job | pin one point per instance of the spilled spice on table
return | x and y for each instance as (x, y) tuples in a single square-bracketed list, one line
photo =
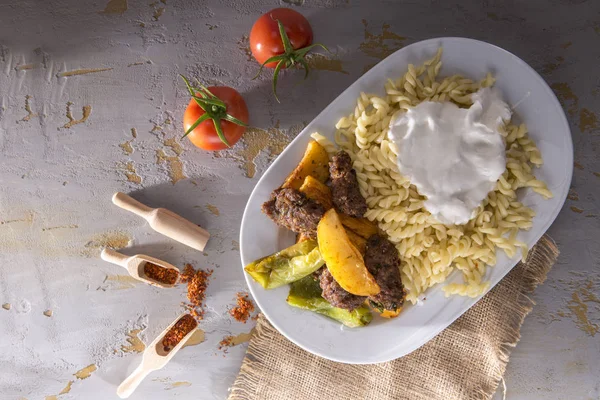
[(185, 325), (225, 343), (244, 308), (230, 341), (160, 274), (197, 281)]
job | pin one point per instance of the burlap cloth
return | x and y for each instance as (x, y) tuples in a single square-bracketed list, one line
[(465, 361)]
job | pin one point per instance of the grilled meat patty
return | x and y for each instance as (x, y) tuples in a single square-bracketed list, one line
[(335, 294), (344, 186), (291, 209), (383, 262)]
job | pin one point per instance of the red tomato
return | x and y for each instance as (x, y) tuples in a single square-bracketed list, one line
[(265, 40), (204, 135)]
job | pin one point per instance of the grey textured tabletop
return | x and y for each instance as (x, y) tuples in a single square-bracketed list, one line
[(91, 104)]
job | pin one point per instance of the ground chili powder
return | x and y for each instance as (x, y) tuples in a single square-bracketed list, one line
[(244, 308), (185, 325), (197, 281), (160, 274), (226, 342)]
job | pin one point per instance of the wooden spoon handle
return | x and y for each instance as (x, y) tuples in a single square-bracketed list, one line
[(130, 204), (114, 257), (127, 387)]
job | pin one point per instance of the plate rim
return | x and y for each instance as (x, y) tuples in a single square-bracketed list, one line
[(549, 221)]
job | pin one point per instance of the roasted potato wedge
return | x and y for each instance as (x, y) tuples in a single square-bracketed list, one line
[(314, 163), (391, 314), (361, 226), (358, 241), (343, 259), (317, 191)]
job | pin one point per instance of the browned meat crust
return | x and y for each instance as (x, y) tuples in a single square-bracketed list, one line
[(383, 262), (344, 186), (291, 209), (335, 294)]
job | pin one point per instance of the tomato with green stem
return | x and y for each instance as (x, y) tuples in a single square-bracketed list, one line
[(215, 118), (281, 39)]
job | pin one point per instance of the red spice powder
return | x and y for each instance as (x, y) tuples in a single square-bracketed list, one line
[(226, 342), (244, 308), (185, 325), (160, 274), (197, 282)]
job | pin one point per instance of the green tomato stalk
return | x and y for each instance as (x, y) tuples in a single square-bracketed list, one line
[(289, 58), (214, 109)]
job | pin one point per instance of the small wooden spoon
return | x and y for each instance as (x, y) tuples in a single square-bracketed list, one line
[(135, 266), (165, 222), (154, 358)]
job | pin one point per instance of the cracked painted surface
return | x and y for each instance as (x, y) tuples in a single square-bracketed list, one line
[(90, 104)]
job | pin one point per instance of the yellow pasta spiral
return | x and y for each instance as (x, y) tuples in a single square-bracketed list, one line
[(429, 250)]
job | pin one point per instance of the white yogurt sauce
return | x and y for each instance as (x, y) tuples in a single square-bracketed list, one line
[(454, 156)]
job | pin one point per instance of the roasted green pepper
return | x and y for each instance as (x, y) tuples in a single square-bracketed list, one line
[(306, 294), (286, 266)]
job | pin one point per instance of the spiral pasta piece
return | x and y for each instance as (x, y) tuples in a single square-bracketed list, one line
[(431, 251)]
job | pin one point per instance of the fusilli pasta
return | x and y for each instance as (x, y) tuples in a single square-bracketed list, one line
[(429, 250)]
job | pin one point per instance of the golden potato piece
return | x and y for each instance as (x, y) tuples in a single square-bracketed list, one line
[(314, 163), (358, 241), (361, 226), (343, 259), (317, 191), (391, 314)]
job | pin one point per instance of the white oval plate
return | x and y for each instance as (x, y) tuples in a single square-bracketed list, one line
[(385, 340)]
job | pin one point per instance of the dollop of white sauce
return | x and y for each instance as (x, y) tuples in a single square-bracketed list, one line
[(454, 156)]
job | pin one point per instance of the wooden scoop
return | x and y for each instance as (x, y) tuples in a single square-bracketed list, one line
[(154, 358), (166, 222), (135, 265)]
